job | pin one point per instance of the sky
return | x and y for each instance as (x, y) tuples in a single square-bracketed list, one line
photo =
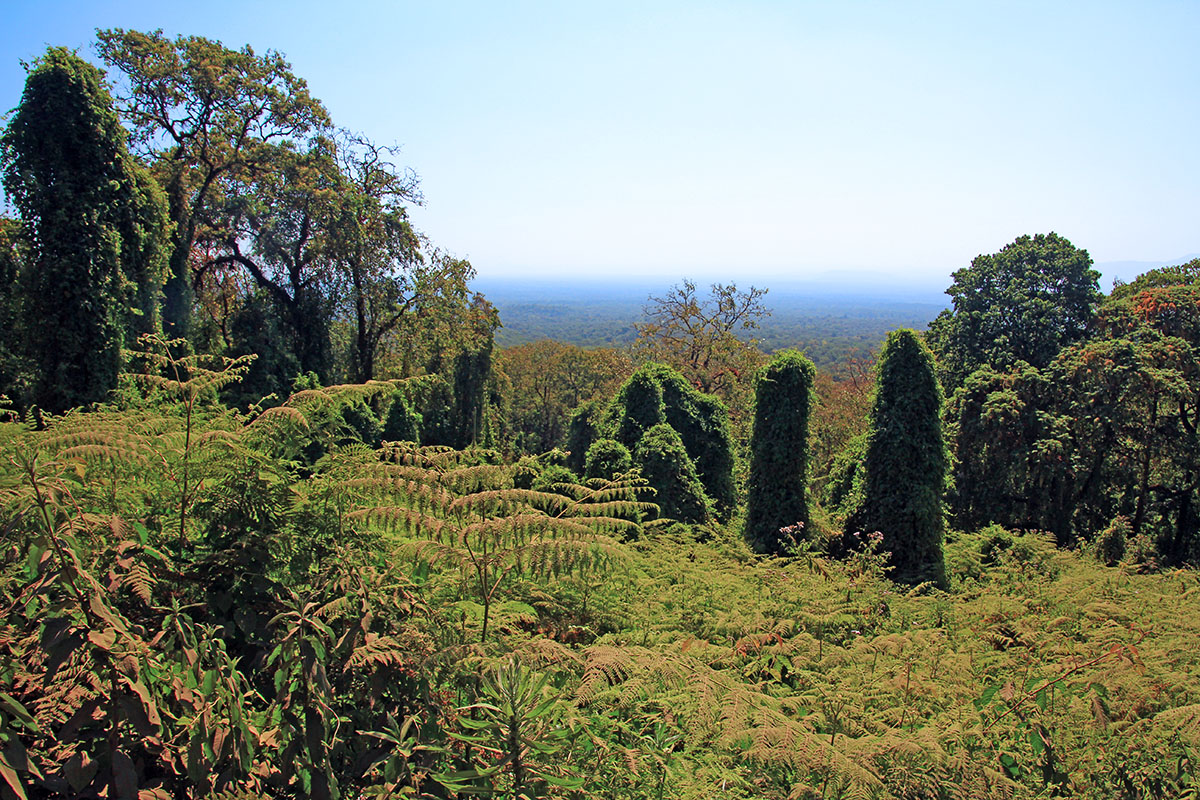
[(747, 141)]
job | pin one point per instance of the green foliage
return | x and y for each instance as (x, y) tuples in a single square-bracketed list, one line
[(1010, 452), (14, 256), (208, 118), (656, 394), (777, 490), (402, 422), (702, 422), (844, 488), (1024, 303), (664, 463), (607, 458), (1160, 278), (255, 330), (637, 408), (323, 634), (95, 223), (583, 429), (904, 470), (1105, 431)]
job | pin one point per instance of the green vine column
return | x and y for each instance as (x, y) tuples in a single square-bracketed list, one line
[(906, 461), (777, 491)]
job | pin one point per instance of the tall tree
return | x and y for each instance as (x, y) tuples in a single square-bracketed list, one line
[(208, 118), (708, 339), (904, 471), (1024, 303), (95, 223), (279, 229), (777, 490)]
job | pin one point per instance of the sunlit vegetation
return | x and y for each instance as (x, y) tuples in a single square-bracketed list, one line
[(281, 521)]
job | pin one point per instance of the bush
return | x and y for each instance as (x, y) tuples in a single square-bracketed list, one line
[(402, 422), (666, 466), (606, 458), (1110, 542), (582, 431)]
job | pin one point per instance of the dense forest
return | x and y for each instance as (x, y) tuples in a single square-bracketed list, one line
[(282, 520)]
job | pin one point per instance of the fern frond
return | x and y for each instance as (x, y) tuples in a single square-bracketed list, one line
[(398, 518)]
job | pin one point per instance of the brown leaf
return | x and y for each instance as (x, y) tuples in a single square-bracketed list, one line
[(104, 639)]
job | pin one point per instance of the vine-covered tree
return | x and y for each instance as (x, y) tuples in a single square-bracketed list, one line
[(1024, 303), (904, 471), (13, 256), (777, 490), (583, 429), (665, 465), (656, 394), (95, 223)]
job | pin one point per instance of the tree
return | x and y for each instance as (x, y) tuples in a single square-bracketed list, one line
[(95, 222), (777, 490), (550, 379), (665, 465), (843, 401), (904, 471), (1132, 405), (1012, 451), (1162, 277), (279, 230), (1024, 303), (14, 256), (379, 253), (657, 394), (208, 118), (700, 336)]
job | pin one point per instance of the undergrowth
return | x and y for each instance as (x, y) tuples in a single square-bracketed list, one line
[(199, 603)]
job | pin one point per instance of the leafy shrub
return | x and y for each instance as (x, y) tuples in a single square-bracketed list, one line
[(582, 431), (1110, 543), (402, 422), (665, 465), (606, 458)]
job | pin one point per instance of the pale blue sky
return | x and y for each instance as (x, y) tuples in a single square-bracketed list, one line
[(744, 141)]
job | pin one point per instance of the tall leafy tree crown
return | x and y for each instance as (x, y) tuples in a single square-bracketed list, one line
[(906, 460), (1024, 303), (211, 119), (777, 492), (96, 223)]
